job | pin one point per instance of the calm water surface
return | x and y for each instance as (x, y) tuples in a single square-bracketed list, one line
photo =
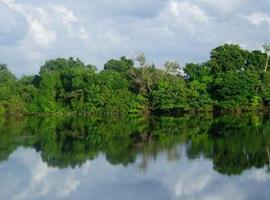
[(202, 157)]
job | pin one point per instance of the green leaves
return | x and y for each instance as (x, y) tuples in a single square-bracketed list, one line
[(228, 58), (121, 66), (6, 77), (232, 79), (169, 92), (237, 89)]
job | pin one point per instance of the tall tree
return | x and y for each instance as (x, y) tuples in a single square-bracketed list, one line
[(141, 59), (172, 67), (5, 75), (228, 58), (122, 65), (267, 51)]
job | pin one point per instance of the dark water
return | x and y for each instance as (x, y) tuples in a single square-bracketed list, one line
[(202, 157)]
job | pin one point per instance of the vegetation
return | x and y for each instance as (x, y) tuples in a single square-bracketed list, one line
[(233, 79)]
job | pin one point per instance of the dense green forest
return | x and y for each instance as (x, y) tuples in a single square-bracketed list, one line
[(233, 79)]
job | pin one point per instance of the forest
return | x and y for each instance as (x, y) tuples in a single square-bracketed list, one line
[(231, 80)]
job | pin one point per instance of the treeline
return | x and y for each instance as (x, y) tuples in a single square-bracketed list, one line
[(233, 79)]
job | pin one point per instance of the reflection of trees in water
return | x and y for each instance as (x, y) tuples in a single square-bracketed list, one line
[(233, 143), (71, 141)]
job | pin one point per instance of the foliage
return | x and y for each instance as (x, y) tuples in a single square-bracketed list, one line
[(232, 79), (122, 65), (169, 93), (228, 58), (236, 89)]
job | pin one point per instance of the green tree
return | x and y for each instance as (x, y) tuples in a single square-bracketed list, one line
[(141, 59), (228, 58), (122, 65), (197, 71), (170, 93), (256, 61), (236, 90), (172, 67)]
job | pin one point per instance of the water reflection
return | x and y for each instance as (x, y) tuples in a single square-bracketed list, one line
[(133, 157)]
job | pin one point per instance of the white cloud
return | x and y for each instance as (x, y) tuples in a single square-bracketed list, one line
[(70, 22), (258, 18), (68, 16), (41, 179), (191, 185), (69, 186), (258, 175), (37, 18), (185, 19), (187, 12), (185, 30), (48, 28), (113, 38), (184, 15), (40, 35), (223, 6)]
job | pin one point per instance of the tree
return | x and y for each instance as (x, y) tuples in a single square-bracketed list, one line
[(256, 61), (228, 58), (265, 88), (232, 78), (172, 67), (61, 83), (197, 71), (236, 90), (122, 65), (10, 100), (169, 93), (141, 59), (267, 51), (199, 79), (7, 83), (5, 75)]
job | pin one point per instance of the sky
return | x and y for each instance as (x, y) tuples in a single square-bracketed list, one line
[(95, 31)]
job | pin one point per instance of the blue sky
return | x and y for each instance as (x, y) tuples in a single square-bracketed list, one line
[(184, 30)]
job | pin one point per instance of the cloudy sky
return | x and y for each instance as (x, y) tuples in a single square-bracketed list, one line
[(185, 30)]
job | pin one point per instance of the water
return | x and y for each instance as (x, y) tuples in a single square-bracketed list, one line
[(202, 157)]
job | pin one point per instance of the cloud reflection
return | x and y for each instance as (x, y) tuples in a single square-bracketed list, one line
[(26, 176)]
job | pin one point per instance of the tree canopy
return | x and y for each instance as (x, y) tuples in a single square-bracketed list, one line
[(232, 79)]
